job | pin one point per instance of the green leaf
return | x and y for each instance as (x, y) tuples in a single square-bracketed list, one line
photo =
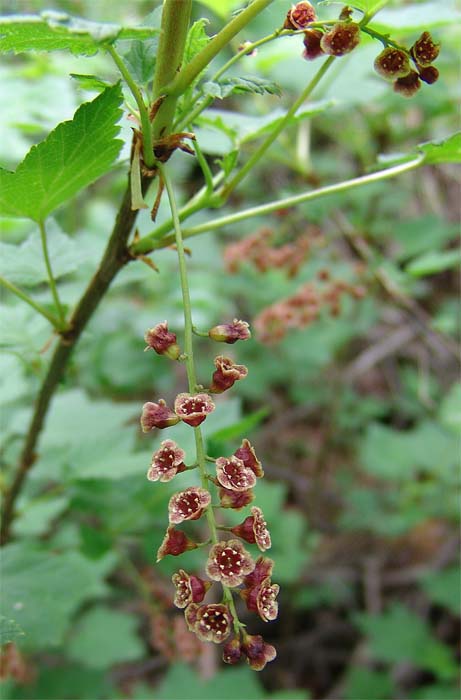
[(398, 635), (366, 683), (446, 151), (450, 409), (197, 39), (25, 265), (444, 588), (242, 427), (433, 262), (73, 155), (9, 631), (105, 637), (52, 31), (369, 6), (422, 16), (245, 84), (35, 518), (42, 589), (89, 82), (181, 682), (223, 8), (140, 56)]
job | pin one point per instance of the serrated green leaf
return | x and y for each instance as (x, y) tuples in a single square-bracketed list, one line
[(197, 39), (446, 151), (105, 637), (230, 86), (140, 55), (433, 262), (9, 631), (73, 155), (52, 31), (41, 590), (24, 264)]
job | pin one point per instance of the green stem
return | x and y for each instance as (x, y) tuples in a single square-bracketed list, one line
[(189, 72), (202, 161), (148, 153), (25, 297), (51, 280), (173, 35), (251, 162), (149, 243), (191, 374)]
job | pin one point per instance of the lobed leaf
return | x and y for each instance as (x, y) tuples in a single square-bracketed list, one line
[(53, 31), (72, 156)]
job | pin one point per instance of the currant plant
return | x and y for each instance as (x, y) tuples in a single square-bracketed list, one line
[(164, 110)]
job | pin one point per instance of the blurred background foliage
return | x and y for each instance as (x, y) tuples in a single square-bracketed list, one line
[(355, 413)]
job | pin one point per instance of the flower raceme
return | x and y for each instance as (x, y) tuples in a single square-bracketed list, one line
[(229, 564)]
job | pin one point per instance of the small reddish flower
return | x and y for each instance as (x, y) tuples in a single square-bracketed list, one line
[(188, 504), (425, 50), (392, 63), (189, 588), (258, 653), (193, 408), (254, 530), (429, 74), (232, 651), (167, 461), (408, 85), (226, 374), (235, 499), (230, 332), (263, 570), (157, 415), (311, 41), (300, 16), (342, 39), (233, 474), (211, 623), (175, 542), (162, 341), (229, 562), (248, 456), (262, 599)]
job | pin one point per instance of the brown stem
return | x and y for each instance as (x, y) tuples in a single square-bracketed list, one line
[(114, 258)]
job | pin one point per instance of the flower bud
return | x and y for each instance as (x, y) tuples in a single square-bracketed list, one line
[(408, 85), (342, 39), (232, 652), (425, 50), (175, 542), (230, 332), (392, 63), (258, 653), (162, 341), (311, 41), (157, 415), (300, 16), (429, 74)]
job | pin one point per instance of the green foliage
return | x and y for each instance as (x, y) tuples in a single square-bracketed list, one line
[(230, 86), (9, 631), (444, 588), (181, 681), (68, 160), (400, 635), (365, 683), (104, 637), (58, 583), (53, 31)]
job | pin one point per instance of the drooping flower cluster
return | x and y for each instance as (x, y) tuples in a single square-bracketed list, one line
[(304, 307), (394, 63), (229, 563)]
